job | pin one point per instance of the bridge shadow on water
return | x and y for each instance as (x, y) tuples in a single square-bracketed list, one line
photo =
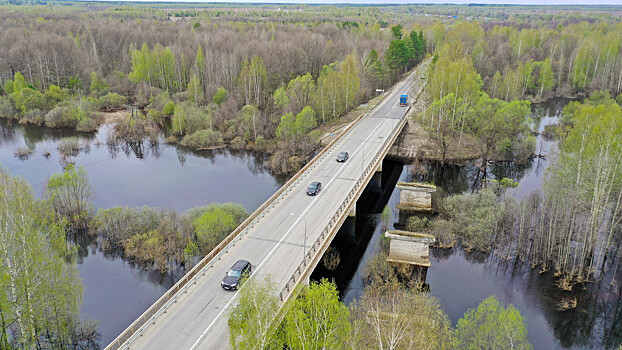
[(342, 259)]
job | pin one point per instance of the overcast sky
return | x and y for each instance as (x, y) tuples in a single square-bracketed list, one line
[(518, 2)]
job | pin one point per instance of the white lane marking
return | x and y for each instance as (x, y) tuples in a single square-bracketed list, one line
[(280, 243)]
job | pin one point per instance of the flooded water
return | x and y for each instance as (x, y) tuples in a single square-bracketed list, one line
[(116, 292), (165, 176), (462, 280)]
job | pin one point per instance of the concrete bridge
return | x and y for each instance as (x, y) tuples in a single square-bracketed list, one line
[(286, 237)]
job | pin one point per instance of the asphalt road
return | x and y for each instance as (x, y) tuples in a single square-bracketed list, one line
[(274, 246)]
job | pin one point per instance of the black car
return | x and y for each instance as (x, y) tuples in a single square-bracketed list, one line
[(241, 269), (342, 157), (314, 188)]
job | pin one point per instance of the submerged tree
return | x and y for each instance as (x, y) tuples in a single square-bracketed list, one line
[(70, 194), (40, 291)]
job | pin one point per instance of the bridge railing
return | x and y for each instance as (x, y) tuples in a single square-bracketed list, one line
[(165, 301), (320, 245), (190, 278)]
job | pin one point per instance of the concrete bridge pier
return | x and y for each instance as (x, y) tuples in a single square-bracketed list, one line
[(347, 231), (415, 198), (375, 184), (409, 252)]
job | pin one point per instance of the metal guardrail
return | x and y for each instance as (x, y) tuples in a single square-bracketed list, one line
[(321, 244), (200, 268), (171, 296)]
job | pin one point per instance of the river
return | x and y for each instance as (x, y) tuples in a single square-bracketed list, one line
[(462, 280), (116, 292)]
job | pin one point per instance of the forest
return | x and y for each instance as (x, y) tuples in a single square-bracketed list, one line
[(267, 78)]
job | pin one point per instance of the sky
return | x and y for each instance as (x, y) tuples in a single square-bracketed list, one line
[(516, 2), (401, 2)]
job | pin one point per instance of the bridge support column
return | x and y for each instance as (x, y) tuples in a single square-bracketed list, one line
[(415, 197), (411, 251), (379, 168), (352, 212), (409, 247)]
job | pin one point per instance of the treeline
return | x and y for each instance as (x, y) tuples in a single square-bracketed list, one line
[(40, 291), (460, 113), (389, 315), (538, 62), (573, 225), (261, 86)]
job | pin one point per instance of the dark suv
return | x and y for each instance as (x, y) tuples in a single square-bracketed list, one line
[(314, 188), (240, 270), (342, 157)]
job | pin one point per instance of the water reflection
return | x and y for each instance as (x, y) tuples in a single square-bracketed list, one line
[(462, 280), (142, 173), (148, 172)]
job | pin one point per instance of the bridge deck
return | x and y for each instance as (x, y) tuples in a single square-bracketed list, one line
[(274, 245)]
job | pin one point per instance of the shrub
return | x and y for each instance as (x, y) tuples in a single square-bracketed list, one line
[(69, 114), (147, 235), (220, 96), (196, 118), (214, 222), (70, 194), (70, 146), (169, 108), (87, 125), (477, 217), (34, 116), (112, 102), (203, 139), (6, 108), (23, 153), (238, 143), (417, 224)]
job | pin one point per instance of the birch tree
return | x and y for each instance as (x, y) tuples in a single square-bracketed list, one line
[(317, 319), (40, 291)]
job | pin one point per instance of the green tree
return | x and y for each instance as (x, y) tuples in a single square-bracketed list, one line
[(399, 56), (349, 71), (299, 92), (546, 81), (397, 31), (199, 67), (287, 127), (220, 96), (253, 80), (40, 290), (251, 321), (373, 70), (498, 124), (215, 223), (317, 319), (178, 123), (305, 121), (195, 91), (391, 316), (99, 85), (491, 326), (70, 195), (248, 121), (280, 98)]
